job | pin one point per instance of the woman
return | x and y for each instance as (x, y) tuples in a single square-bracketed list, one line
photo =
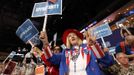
[(77, 59)]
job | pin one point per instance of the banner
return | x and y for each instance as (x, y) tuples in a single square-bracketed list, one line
[(102, 31), (26, 31), (40, 9), (51, 7), (54, 7)]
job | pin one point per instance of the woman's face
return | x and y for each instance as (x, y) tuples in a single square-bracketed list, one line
[(73, 38)]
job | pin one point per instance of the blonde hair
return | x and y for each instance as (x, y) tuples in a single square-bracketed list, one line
[(68, 44)]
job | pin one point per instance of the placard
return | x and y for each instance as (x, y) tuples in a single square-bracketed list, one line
[(9, 68), (26, 31), (54, 7), (40, 9), (40, 70), (102, 31)]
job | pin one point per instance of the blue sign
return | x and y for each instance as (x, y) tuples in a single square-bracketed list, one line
[(40, 9), (102, 31), (49, 8), (26, 31), (54, 8), (35, 40)]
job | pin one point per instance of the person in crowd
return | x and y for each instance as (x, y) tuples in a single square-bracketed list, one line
[(51, 68), (127, 46), (97, 49), (76, 59), (125, 32), (28, 67), (56, 49), (124, 67)]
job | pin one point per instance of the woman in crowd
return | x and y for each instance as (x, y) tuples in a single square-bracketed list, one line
[(77, 58)]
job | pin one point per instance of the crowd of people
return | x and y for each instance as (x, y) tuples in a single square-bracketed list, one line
[(79, 58)]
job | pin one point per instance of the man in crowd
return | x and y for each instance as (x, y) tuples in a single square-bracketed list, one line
[(123, 68), (128, 47)]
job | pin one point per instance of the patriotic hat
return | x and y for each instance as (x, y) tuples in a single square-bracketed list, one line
[(66, 32)]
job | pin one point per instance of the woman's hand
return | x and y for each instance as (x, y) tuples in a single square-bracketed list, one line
[(91, 39), (43, 37), (106, 50)]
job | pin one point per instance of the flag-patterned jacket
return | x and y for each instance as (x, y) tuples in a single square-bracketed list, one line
[(92, 67)]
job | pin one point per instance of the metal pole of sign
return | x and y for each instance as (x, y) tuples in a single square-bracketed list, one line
[(103, 42), (31, 43), (45, 22), (5, 59)]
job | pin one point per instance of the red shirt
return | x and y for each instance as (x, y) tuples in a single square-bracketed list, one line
[(52, 69)]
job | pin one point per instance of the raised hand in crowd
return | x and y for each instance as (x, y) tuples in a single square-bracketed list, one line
[(91, 39), (105, 50), (43, 37)]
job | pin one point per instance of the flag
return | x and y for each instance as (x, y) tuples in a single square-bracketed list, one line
[(54, 38), (97, 50)]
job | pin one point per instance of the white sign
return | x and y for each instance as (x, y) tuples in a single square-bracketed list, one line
[(102, 31)]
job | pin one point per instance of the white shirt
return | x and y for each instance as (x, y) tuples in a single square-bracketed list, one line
[(78, 67)]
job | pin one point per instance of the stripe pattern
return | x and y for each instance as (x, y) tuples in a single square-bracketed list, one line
[(47, 52), (97, 50)]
